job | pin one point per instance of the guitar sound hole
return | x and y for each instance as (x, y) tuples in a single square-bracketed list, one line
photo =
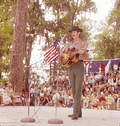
[(77, 54), (70, 62)]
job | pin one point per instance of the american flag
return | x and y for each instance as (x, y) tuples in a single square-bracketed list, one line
[(52, 53)]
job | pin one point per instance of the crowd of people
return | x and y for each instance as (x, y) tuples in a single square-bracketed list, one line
[(102, 90), (98, 92)]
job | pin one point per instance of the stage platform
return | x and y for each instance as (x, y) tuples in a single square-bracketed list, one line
[(12, 115)]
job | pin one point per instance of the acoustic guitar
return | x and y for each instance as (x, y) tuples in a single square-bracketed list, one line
[(69, 57)]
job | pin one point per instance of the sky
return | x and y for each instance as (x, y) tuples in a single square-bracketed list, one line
[(103, 9), (103, 6)]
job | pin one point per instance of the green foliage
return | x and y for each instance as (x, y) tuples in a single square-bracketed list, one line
[(66, 14), (1, 1), (88, 6), (6, 32), (107, 45)]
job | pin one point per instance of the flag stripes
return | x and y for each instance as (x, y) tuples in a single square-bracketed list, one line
[(51, 54)]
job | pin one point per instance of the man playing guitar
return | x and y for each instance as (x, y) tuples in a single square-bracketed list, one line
[(74, 62)]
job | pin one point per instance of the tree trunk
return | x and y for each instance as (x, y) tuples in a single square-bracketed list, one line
[(18, 46)]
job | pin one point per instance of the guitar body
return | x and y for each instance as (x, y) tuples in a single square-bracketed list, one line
[(69, 57)]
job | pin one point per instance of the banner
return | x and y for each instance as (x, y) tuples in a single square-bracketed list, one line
[(101, 66)]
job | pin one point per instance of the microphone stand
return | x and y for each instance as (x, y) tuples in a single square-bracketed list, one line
[(57, 121), (28, 119)]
